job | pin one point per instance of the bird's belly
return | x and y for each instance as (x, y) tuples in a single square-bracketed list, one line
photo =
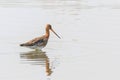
[(36, 47)]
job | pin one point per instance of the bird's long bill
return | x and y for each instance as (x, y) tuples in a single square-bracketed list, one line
[(55, 33)]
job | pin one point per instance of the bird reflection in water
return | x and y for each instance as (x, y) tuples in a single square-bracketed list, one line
[(37, 58)]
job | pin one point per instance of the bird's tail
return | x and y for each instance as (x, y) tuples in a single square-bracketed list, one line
[(22, 44)]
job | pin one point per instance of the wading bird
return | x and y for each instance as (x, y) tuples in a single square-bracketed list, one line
[(40, 42)]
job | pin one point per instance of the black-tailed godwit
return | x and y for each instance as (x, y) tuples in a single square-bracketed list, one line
[(40, 42)]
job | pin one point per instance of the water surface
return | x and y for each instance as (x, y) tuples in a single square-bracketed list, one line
[(88, 50)]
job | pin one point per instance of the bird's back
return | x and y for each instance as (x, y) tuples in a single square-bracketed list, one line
[(36, 43)]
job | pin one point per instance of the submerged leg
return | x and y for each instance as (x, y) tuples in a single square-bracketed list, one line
[(38, 50)]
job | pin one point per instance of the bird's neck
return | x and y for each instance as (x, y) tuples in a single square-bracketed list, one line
[(47, 34)]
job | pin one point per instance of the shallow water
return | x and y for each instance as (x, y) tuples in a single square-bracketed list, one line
[(88, 50)]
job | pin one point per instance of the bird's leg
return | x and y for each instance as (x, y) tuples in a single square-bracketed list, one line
[(38, 50)]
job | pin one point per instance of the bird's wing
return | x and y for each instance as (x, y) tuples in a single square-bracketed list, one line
[(34, 41)]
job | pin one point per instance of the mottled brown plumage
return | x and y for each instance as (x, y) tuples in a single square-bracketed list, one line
[(40, 42)]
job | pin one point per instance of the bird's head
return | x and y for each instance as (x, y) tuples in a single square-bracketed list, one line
[(49, 27)]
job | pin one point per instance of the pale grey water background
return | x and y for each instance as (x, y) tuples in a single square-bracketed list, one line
[(88, 50)]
